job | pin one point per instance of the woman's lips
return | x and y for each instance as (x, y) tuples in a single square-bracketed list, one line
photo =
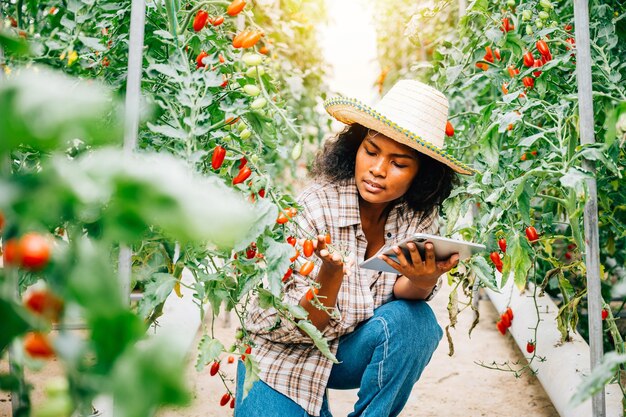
[(373, 187)]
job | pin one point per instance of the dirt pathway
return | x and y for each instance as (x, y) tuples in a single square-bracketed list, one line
[(450, 386)]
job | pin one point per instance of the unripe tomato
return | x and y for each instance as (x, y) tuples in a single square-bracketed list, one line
[(539, 23), (34, 251), (37, 345), (245, 134), (252, 72), (251, 90), (543, 15), (306, 268), (258, 103), (296, 151), (449, 129), (251, 59), (546, 4), (527, 15)]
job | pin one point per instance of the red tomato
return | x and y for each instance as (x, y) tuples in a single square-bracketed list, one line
[(200, 20), (605, 313), (528, 82), (34, 251), (502, 244), (505, 90), (506, 25), (231, 359), (537, 64), (287, 275), (311, 293), (306, 268), (489, 54), (1, 221), (501, 327), (221, 58), (327, 238), (531, 234), (44, 303), (218, 21), (232, 402), (496, 52), (242, 162), (530, 347), (495, 258), (37, 345), (215, 368), (10, 252), (264, 50), (243, 175), (251, 251), (542, 47), (295, 256), (506, 322), (199, 59), (251, 40), (225, 399), (529, 59), (282, 218), (235, 7), (482, 66), (307, 248), (217, 160), (238, 39), (509, 313), (291, 240), (449, 129), (513, 71)]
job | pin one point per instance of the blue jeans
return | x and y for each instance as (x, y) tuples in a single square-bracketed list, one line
[(383, 357)]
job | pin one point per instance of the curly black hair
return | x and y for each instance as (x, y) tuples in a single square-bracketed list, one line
[(336, 161)]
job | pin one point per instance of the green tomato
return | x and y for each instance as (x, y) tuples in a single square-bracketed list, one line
[(510, 3), (253, 71), (252, 59), (539, 23), (544, 15), (529, 30), (56, 386), (57, 406), (296, 151), (238, 335), (258, 103), (553, 24), (254, 158), (245, 134), (527, 15), (546, 4), (241, 126), (252, 90)]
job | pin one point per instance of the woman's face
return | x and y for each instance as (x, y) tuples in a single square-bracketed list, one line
[(384, 168)]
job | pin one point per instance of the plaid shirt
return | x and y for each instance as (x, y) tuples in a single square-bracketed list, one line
[(288, 360)]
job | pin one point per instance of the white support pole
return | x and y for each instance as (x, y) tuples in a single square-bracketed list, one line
[(131, 121), (592, 246)]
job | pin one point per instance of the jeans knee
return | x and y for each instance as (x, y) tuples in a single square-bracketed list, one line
[(411, 324)]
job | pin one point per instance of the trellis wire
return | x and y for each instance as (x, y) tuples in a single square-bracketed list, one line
[(592, 246)]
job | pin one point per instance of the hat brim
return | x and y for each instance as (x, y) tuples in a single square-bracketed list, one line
[(350, 111)]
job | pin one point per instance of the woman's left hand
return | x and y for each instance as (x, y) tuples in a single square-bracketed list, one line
[(422, 273)]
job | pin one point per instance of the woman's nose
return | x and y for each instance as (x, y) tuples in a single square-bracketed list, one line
[(378, 168)]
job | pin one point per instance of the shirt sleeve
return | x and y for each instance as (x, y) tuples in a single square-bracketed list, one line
[(267, 322)]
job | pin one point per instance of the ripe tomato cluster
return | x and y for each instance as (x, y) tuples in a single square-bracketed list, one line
[(505, 321), (495, 256)]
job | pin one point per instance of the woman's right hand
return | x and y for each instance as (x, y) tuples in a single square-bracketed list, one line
[(332, 261)]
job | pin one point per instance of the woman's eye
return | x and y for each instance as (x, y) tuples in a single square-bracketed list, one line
[(398, 165), (369, 153)]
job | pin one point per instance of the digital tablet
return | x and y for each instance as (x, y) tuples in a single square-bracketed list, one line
[(444, 248)]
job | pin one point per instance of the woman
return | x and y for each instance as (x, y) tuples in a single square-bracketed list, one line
[(381, 180)]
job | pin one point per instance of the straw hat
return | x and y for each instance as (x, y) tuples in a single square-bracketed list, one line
[(411, 113)]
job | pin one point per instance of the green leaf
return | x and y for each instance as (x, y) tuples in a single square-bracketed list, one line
[(15, 322), (277, 257), (12, 45), (150, 373), (93, 43), (265, 216), (168, 131), (602, 374), (209, 350), (320, 342), (518, 260), (252, 374), (479, 266), (111, 334), (156, 292), (45, 110)]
